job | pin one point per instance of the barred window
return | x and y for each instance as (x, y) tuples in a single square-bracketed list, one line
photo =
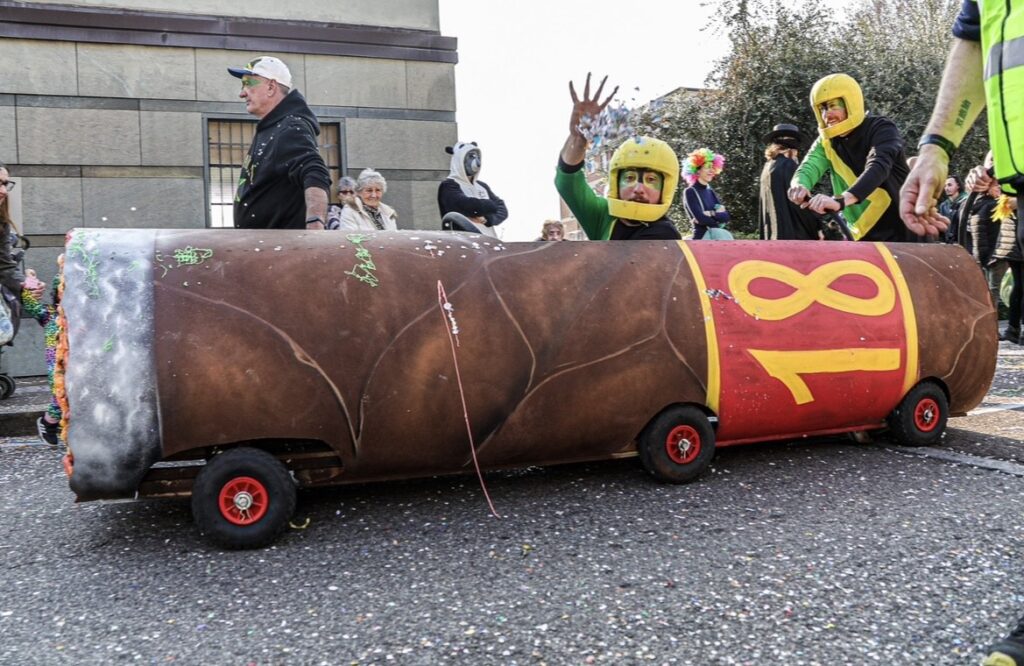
[(227, 145)]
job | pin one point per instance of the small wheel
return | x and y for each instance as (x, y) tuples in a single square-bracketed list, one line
[(243, 498), (920, 419), (7, 386), (677, 445), (458, 222)]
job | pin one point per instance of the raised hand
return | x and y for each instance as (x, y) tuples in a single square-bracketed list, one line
[(588, 106)]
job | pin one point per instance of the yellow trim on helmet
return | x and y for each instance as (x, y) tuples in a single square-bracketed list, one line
[(838, 86), (645, 153)]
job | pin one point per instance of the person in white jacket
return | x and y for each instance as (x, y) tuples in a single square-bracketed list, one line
[(368, 212)]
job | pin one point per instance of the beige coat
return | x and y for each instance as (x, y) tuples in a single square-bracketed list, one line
[(356, 218)]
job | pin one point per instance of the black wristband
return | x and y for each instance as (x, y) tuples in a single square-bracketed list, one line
[(938, 140), (841, 200), (565, 167)]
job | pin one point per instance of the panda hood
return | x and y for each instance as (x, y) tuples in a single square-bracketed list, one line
[(463, 153)]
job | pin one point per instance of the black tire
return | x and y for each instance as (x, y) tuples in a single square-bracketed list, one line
[(458, 222), (920, 419), (677, 445), (7, 386), (231, 481)]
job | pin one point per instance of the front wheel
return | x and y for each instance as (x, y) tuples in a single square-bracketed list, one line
[(243, 498), (920, 419), (677, 445)]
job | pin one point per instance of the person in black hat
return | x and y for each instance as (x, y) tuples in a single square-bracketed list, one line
[(781, 219)]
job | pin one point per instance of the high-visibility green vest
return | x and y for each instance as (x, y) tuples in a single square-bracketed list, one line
[(1002, 43)]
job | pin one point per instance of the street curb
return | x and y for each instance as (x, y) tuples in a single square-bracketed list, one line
[(19, 412), (20, 424)]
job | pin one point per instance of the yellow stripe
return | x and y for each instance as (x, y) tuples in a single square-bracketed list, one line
[(877, 202), (714, 368), (912, 373), (790, 366)]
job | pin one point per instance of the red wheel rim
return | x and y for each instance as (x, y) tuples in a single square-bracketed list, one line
[(243, 500), (926, 415), (683, 444)]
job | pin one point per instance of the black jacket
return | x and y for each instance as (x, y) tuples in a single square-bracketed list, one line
[(874, 150), (984, 231), (283, 161), (450, 198), (781, 219), (662, 229)]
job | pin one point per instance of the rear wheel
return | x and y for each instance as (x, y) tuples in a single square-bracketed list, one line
[(677, 445), (7, 386), (243, 498), (920, 419)]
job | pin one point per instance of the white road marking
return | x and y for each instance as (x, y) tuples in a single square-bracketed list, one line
[(995, 408), (1016, 469)]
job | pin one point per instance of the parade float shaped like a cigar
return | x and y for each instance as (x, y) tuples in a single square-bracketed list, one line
[(238, 365)]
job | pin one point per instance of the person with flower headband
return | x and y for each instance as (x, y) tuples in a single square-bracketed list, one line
[(702, 204), (864, 157), (642, 178)]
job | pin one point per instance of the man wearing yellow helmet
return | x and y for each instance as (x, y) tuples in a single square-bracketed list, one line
[(864, 157), (642, 180)]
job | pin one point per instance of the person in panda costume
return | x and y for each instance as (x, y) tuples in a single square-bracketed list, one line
[(461, 195)]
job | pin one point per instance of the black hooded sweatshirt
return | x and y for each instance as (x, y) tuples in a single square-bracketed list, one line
[(283, 161)]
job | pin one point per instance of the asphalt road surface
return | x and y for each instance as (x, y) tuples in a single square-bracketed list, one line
[(807, 552)]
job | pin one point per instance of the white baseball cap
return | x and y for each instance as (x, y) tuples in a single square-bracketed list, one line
[(268, 67)]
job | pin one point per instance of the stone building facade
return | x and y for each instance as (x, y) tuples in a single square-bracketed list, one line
[(120, 113)]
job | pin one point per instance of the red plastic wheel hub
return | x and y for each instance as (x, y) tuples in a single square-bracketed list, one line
[(243, 500), (683, 444), (926, 415)]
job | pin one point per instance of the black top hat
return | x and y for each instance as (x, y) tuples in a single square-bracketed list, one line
[(786, 135)]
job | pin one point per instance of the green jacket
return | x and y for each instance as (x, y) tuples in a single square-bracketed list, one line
[(591, 211)]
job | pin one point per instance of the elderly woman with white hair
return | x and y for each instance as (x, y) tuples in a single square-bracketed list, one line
[(367, 212)]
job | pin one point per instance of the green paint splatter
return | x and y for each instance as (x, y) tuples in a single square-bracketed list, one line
[(188, 256), (363, 271), (89, 262), (192, 256)]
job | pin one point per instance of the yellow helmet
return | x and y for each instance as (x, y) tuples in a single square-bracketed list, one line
[(645, 153), (838, 86)]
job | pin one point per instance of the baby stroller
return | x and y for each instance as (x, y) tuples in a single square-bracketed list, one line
[(7, 385), (458, 222), (19, 245)]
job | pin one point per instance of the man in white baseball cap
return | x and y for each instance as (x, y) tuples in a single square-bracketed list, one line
[(268, 67), (284, 182)]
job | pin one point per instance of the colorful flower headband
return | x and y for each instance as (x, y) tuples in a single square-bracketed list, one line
[(697, 159)]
